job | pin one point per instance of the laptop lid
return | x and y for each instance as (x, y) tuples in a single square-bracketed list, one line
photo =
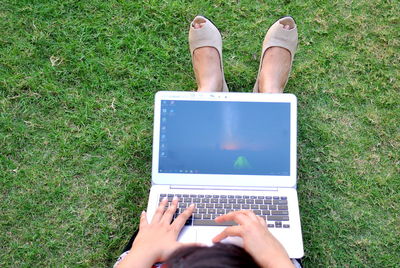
[(224, 139)]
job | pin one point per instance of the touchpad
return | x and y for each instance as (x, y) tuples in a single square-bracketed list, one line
[(235, 240), (188, 235), (205, 236)]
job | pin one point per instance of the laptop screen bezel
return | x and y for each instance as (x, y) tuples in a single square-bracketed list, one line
[(224, 180)]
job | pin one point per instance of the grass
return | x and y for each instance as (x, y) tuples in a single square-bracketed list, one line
[(77, 81)]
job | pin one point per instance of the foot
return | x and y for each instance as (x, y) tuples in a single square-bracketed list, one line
[(276, 66), (207, 67)]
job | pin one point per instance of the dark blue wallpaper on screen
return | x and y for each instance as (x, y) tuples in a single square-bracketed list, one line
[(210, 137)]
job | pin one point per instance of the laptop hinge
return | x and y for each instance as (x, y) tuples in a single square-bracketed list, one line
[(193, 187)]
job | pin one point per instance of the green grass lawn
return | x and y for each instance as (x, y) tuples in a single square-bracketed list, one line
[(77, 82)]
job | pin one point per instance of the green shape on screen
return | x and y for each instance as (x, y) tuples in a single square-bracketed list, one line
[(241, 162)]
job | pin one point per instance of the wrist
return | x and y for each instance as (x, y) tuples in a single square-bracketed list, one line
[(276, 262), (138, 260)]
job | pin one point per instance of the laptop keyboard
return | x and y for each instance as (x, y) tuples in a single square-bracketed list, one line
[(274, 209)]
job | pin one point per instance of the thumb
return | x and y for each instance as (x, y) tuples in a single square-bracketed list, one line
[(193, 245), (143, 219)]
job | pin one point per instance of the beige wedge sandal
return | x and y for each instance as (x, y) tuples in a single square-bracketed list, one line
[(277, 36), (207, 36)]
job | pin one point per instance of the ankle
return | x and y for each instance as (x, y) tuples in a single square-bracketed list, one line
[(270, 89), (211, 85), (275, 70)]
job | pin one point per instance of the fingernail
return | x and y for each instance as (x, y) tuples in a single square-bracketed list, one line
[(143, 212), (175, 198), (191, 206), (165, 198)]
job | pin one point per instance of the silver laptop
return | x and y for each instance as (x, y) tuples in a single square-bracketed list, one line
[(226, 152)]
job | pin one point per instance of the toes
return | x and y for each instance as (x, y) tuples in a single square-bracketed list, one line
[(198, 25), (288, 23)]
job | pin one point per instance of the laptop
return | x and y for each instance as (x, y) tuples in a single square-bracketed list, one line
[(226, 152)]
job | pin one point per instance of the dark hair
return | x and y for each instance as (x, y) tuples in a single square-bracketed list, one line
[(218, 256)]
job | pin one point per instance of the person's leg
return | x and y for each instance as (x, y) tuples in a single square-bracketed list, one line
[(276, 66), (206, 64)]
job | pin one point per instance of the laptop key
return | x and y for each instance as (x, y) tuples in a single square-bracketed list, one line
[(258, 201), (282, 207), (240, 201), (249, 201), (205, 200), (200, 205), (206, 216), (218, 205), (236, 206), (277, 218), (254, 207), (202, 210), (266, 212), (245, 206), (204, 222), (220, 211), (214, 200), (280, 212), (271, 225), (280, 202), (257, 212), (232, 201), (223, 200), (286, 226), (197, 216), (209, 205), (189, 221)]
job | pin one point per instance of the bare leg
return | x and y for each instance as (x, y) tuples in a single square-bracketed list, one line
[(207, 67), (275, 69)]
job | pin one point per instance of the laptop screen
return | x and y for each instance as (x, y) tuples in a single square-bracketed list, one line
[(225, 137)]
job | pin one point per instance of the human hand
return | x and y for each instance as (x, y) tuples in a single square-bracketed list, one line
[(157, 240), (257, 239)]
